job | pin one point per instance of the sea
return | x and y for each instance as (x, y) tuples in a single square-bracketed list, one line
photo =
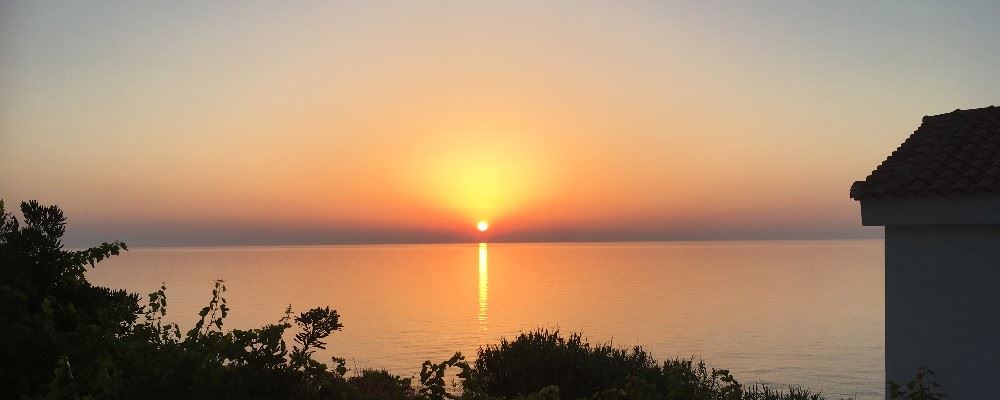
[(804, 313)]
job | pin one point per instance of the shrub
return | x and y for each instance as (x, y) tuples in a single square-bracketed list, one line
[(70, 339), (922, 387), (544, 364), (380, 384), (539, 359), (67, 339)]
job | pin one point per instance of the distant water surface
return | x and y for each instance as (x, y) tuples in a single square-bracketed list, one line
[(808, 313)]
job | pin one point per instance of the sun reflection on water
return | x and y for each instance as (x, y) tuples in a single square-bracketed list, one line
[(484, 292)]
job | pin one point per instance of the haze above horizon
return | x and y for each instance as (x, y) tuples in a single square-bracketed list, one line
[(183, 123)]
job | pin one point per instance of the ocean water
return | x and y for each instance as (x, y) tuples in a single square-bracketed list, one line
[(807, 313)]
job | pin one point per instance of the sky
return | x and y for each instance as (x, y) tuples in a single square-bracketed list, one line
[(190, 123)]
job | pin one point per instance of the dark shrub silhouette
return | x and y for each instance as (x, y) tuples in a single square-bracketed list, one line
[(540, 359), (64, 338), (922, 387)]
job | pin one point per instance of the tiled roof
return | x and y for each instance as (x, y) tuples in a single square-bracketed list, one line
[(950, 154)]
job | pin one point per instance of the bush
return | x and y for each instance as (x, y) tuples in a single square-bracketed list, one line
[(70, 339), (922, 387), (67, 339), (380, 384), (539, 359), (544, 363)]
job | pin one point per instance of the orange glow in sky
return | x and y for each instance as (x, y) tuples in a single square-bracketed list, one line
[(402, 122)]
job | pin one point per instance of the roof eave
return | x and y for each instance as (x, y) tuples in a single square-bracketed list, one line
[(931, 210)]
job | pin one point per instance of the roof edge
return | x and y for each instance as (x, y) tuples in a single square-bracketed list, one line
[(931, 210)]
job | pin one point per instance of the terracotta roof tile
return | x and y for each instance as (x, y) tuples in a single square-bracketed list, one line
[(949, 154)]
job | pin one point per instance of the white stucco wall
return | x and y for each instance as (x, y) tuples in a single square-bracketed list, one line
[(942, 306)]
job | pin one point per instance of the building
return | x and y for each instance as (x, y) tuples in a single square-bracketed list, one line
[(938, 196)]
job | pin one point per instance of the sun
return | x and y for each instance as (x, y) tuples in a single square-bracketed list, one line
[(483, 226)]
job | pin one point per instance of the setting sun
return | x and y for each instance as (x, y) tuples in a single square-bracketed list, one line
[(676, 156)]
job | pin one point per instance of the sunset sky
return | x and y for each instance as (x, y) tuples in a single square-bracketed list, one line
[(341, 122)]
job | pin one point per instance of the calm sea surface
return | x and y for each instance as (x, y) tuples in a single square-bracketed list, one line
[(779, 312)]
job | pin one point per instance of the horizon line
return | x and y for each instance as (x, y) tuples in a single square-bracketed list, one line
[(411, 243)]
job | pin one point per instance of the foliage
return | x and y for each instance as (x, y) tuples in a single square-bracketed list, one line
[(432, 377), (72, 340), (922, 387), (380, 384), (769, 393), (59, 329), (570, 368)]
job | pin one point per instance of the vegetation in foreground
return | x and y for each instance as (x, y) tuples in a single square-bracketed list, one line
[(68, 339)]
